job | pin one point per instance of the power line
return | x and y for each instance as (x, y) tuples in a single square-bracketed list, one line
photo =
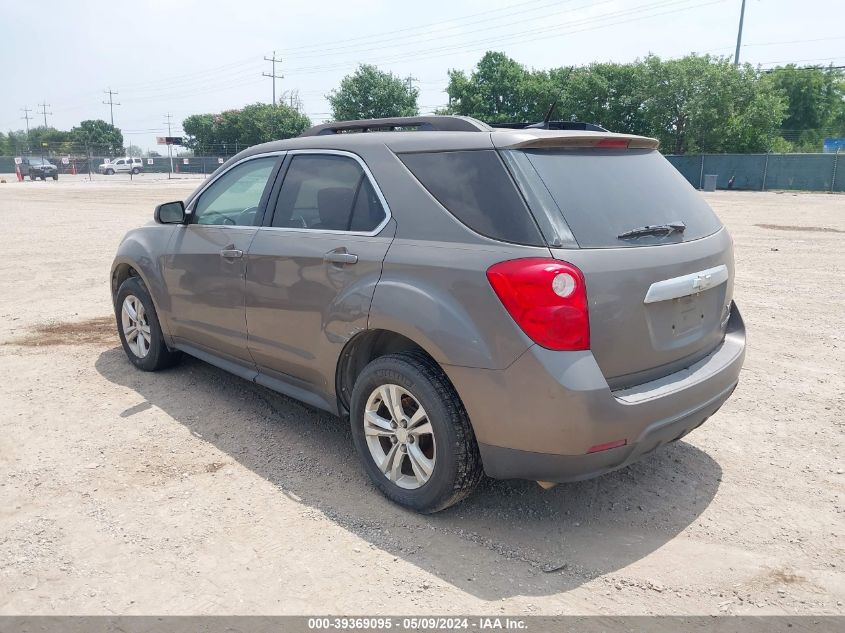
[(273, 74), (409, 83), (613, 18), (26, 116), (375, 37), (44, 107), (111, 103)]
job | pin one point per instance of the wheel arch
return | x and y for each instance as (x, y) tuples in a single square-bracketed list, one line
[(362, 349)]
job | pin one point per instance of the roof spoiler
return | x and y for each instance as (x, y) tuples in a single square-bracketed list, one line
[(553, 125), (433, 123)]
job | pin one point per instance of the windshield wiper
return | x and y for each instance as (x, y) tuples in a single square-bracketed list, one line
[(654, 229)]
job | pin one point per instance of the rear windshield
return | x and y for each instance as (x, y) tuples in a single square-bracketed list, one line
[(605, 193), (475, 187)]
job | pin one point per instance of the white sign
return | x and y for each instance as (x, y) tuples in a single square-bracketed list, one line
[(106, 161), (185, 161), (149, 161), (18, 160), (65, 160), (219, 161)]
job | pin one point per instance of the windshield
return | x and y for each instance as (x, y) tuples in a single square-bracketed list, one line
[(603, 194)]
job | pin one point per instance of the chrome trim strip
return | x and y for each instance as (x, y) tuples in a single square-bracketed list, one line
[(686, 285), (373, 183), (331, 152), (189, 208)]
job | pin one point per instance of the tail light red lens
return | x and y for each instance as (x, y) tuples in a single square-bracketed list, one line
[(547, 298), (612, 143)]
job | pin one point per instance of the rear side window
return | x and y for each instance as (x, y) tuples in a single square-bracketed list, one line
[(327, 192), (475, 187), (604, 193)]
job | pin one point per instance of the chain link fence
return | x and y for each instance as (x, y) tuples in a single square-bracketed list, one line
[(761, 172), (750, 172), (160, 165)]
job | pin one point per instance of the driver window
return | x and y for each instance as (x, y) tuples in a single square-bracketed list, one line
[(233, 199)]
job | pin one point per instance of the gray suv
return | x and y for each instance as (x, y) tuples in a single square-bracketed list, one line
[(527, 303)]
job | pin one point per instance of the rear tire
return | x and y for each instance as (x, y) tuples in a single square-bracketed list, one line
[(136, 171), (450, 467), (56, 177), (138, 327)]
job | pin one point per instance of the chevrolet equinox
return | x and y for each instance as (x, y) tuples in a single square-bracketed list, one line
[(543, 304)]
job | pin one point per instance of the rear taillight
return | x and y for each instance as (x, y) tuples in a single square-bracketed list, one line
[(547, 298)]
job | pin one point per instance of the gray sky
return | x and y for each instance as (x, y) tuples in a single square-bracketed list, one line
[(190, 56)]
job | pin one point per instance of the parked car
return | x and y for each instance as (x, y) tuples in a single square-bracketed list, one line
[(122, 166), (38, 168), (539, 304)]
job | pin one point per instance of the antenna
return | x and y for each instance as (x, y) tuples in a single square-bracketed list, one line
[(548, 116)]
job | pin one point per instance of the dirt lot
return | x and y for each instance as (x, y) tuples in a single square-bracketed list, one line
[(191, 491)]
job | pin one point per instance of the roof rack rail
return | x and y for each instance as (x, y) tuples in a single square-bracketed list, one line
[(552, 125), (433, 123)]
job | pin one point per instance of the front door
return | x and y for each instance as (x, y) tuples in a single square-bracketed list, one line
[(312, 271), (204, 271)]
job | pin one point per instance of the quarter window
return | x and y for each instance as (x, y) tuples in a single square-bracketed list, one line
[(233, 199), (327, 192), (475, 187)]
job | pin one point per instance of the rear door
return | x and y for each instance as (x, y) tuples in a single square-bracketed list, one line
[(312, 269), (205, 269), (658, 300)]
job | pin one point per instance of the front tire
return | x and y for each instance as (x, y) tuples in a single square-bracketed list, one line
[(412, 433), (138, 327), (110, 172), (56, 177)]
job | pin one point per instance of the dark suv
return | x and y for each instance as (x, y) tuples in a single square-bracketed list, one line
[(38, 168), (530, 303)]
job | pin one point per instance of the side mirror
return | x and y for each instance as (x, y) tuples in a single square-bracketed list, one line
[(170, 213)]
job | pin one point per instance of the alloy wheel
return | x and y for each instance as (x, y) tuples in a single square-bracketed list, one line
[(136, 327), (400, 436)]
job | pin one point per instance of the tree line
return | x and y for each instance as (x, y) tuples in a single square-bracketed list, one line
[(95, 135), (697, 103)]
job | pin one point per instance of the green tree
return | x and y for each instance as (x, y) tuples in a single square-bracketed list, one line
[(369, 93), (697, 103), (237, 129), (704, 104), (99, 136), (815, 104), (199, 131), (500, 90)]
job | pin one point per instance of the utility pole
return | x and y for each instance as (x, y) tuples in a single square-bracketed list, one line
[(409, 83), (273, 74), (26, 116), (44, 107), (739, 34), (169, 148), (111, 103)]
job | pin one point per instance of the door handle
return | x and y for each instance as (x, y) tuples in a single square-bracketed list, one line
[(231, 253), (340, 257)]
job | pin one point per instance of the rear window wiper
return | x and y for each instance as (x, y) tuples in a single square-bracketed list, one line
[(654, 229)]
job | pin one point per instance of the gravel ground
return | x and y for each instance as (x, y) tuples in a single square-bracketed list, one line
[(193, 492)]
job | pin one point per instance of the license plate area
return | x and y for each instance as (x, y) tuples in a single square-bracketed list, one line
[(687, 314)]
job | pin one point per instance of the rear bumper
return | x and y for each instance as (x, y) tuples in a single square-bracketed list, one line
[(539, 418)]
